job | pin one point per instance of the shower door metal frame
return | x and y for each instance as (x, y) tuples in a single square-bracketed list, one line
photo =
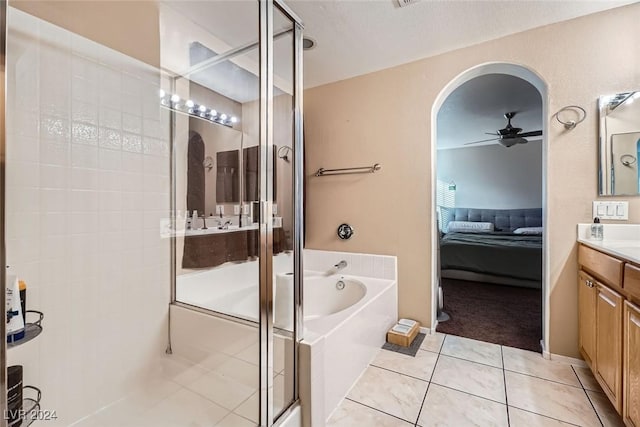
[(265, 190), (266, 39), (3, 248), (266, 183)]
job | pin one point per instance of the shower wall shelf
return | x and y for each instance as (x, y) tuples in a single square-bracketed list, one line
[(30, 408), (349, 171), (31, 329)]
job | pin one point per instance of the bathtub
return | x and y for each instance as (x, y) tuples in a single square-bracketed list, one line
[(338, 345), (346, 315)]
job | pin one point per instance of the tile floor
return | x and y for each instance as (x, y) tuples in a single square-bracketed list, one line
[(456, 381), (220, 391)]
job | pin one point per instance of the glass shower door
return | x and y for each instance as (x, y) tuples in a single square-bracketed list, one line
[(233, 169)]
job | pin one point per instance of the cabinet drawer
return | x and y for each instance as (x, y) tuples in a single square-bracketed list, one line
[(606, 268), (632, 280)]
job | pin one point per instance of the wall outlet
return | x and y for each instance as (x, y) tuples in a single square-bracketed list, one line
[(275, 209), (236, 209), (618, 210)]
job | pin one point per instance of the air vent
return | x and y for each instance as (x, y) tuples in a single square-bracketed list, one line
[(403, 3)]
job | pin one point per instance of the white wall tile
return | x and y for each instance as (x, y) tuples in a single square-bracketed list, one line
[(54, 153), (53, 176), (82, 213), (22, 148), (84, 156)]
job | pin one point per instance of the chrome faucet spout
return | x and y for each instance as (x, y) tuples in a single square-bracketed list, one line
[(342, 264)]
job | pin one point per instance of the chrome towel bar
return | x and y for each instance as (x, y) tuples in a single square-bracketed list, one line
[(348, 171)]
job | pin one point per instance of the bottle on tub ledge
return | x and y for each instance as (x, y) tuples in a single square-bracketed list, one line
[(15, 316)]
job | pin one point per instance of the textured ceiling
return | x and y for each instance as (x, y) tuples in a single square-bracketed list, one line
[(358, 37), (478, 106)]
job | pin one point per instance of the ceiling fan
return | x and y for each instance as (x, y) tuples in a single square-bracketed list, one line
[(509, 135)]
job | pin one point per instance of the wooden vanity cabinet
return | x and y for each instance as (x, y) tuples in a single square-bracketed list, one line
[(631, 365), (587, 317), (609, 327), (608, 366)]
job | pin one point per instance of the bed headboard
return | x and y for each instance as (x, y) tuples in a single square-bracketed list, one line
[(503, 219)]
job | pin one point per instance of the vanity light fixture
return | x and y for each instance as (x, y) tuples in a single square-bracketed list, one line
[(190, 107)]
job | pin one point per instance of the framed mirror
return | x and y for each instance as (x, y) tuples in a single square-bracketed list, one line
[(619, 148)]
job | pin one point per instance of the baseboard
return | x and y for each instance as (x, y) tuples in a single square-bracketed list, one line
[(428, 331), (566, 359)]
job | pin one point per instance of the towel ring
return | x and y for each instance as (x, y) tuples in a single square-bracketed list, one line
[(571, 123), (627, 159)]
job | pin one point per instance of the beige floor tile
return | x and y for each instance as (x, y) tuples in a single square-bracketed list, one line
[(181, 371), (530, 363), (390, 392), (433, 342), (136, 402), (233, 420), (552, 399), (469, 377), (607, 413), (251, 354), (238, 370), (446, 407), (183, 408), (587, 379), (352, 414), (224, 391), (421, 366), (472, 350), (250, 407), (520, 418)]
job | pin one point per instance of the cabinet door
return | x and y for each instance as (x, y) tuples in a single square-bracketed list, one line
[(587, 318), (609, 344), (631, 365)]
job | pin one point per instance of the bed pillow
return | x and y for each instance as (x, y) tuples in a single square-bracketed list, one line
[(528, 230), (470, 227)]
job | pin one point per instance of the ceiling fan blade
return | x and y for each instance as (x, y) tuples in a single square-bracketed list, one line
[(532, 133), (484, 140)]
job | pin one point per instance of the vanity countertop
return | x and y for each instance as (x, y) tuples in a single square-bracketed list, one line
[(620, 240)]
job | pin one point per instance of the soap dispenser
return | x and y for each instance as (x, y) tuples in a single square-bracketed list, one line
[(597, 229)]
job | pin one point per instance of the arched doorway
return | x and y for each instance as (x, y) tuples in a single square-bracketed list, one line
[(536, 81)]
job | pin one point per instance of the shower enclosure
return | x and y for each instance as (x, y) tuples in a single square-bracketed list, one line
[(152, 203)]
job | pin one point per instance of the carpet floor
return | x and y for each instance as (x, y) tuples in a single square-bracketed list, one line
[(505, 315)]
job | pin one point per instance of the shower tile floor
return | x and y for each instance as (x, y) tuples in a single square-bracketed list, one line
[(456, 381), (221, 391)]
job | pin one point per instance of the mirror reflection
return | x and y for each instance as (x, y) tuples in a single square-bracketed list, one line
[(619, 144)]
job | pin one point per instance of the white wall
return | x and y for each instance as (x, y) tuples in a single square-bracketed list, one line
[(493, 176), (87, 182)]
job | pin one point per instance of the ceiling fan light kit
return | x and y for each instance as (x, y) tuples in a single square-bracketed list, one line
[(509, 135)]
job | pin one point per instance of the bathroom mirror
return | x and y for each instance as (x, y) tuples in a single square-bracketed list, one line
[(619, 144)]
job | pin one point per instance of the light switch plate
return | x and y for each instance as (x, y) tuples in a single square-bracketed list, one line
[(615, 210), (220, 209)]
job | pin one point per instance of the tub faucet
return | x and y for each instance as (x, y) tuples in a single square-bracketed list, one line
[(339, 266)]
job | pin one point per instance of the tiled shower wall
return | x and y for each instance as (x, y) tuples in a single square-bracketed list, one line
[(87, 184)]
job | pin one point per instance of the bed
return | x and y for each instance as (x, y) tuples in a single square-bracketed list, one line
[(500, 256)]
